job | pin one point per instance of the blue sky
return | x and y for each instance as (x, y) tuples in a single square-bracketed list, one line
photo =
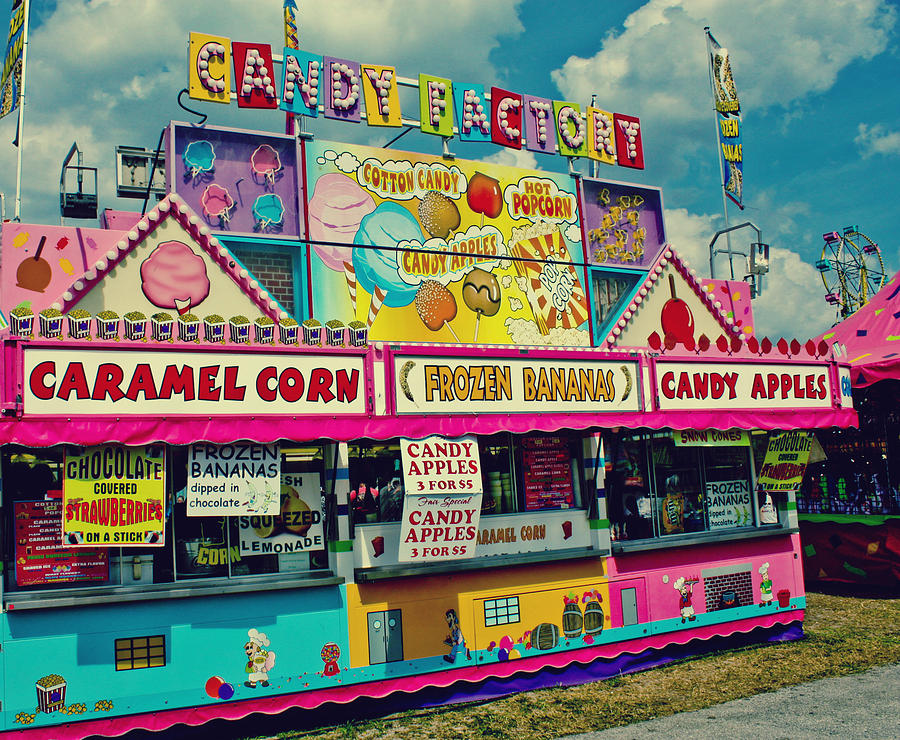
[(817, 82)]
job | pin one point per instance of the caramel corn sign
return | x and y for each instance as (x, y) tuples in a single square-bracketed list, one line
[(440, 385), (114, 496)]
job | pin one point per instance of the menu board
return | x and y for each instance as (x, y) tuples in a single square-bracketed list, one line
[(39, 558), (548, 473)]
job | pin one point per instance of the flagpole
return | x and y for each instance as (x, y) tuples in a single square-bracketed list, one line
[(712, 89), (21, 124)]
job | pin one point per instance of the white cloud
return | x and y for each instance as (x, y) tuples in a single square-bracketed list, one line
[(786, 49), (792, 302), (107, 72), (877, 140)]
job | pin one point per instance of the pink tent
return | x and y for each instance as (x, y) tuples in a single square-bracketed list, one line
[(872, 337)]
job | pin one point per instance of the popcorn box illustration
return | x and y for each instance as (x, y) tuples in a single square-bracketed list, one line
[(334, 333), (214, 328), (289, 330), (107, 325), (359, 333), (51, 692), (21, 321), (239, 327), (162, 325), (79, 324), (555, 293), (51, 323), (188, 328), (312, 332), (135, 326), (264, 329)]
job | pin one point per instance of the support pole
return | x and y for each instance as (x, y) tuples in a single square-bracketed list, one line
[(21, 123)]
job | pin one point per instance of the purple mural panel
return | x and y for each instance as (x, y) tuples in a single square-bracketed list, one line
[(623, 224), (238, 182)]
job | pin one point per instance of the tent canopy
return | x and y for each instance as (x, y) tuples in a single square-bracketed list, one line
[(872, 337)]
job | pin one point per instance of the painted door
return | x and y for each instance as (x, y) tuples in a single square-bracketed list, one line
[(385, 636)]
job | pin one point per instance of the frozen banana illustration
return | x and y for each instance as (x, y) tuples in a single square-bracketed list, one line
[(404, 379), (628, 383)]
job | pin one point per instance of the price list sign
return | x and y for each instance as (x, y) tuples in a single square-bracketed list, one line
[(548, 473), (40, 560)]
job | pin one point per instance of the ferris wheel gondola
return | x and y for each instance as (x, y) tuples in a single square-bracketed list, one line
[(852, 269)]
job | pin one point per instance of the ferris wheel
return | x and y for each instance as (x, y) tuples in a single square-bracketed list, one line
[(852, 269)]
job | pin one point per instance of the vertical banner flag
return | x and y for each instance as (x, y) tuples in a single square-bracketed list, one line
[(728, 117), (11, 81)]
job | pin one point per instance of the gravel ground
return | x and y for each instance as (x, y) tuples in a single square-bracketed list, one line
[(864, 705)]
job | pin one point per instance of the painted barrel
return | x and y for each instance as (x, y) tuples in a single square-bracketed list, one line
[(545, 636), (593, 618), (572, 621)]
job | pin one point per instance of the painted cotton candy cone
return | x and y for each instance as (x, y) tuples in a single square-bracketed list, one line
[(350, 274), (375, 306)]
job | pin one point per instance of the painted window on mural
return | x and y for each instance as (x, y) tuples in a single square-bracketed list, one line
[(501, 611), (140, 652)]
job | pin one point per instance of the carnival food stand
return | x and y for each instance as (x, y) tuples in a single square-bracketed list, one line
[(381, 423), (849, 505)]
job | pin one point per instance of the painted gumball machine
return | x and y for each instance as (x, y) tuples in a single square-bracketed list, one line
[(677, 320), (330, 654)]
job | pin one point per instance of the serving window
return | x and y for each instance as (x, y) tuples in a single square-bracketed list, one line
[(36, 555), (531, 472), (658, 486)]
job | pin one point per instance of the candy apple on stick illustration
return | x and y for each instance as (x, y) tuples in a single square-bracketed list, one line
[(483, 196), (677, 320)]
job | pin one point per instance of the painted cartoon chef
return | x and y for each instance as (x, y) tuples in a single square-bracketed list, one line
[(765, 586), (686, 593), (259, 660)]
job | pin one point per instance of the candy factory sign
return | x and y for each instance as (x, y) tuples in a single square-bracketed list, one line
[(349, 91), (442, 385), (83, 381), (742, 385)]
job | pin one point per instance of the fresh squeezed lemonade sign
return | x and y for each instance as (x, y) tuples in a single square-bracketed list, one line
[(442, 478), (114, 496)]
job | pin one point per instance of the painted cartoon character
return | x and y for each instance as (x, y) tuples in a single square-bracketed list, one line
[(765, 587), (259, 660), (455, 639), (686, 590)]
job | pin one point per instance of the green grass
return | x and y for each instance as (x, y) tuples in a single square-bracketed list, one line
[(844, 635)]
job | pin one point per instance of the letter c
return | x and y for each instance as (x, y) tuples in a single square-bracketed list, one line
[(36, 380)]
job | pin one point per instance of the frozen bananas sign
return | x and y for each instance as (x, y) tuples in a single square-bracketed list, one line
[(446, 385)]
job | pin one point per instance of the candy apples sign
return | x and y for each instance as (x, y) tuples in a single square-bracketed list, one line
[(442, 479), (682, 385), (439, 465)]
